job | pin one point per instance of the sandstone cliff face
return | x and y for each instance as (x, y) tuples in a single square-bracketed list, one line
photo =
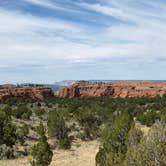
[(86, 90), (116, 89), (39, 93)]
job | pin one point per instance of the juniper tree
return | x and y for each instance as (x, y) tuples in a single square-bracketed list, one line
[(114, 148), (58, 129), (41, 152)]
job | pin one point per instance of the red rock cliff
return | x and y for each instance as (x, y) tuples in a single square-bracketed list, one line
[(115, 89), (36, 92)]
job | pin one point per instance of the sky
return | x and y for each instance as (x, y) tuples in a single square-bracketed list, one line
[(42, 41)]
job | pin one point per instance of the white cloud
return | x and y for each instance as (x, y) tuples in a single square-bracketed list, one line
[(50, 5), (110, 11), (141, 31), (29, 39), (44, 3), (26, 39)]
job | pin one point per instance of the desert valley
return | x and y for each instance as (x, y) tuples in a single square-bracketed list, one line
[(82, 83), (83, 124)]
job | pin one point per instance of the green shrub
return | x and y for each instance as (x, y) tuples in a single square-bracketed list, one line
[(41, 152), (151, 150), (65, 143), (8, 110), (22, 112), (163, 115), (89, 121), (8, 133), (115, 145), (148, 118), (57, 128), (22, 132), (39, 112), (6, 152)]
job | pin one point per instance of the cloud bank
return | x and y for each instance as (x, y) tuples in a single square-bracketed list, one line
[(81, 40)]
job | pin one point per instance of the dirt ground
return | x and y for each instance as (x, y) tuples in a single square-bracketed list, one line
[(81, 154)]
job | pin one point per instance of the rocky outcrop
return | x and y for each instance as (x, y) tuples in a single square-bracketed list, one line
[(33, 92), (76, 90), (116, 89)]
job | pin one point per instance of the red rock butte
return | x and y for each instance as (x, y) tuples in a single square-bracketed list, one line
[(116, 89), (33, 92)]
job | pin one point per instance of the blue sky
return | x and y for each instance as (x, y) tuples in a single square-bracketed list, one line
[(43, 41)]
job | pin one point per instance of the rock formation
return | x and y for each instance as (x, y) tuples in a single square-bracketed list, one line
[(34, 92), (116, 89)]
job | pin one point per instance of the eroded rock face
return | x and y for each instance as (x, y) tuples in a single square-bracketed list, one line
[(116, 89), (37, 92), (86, 90)]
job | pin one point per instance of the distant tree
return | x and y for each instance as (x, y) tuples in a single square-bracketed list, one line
[(57, 128), (22, 133), (89, 121), (41, 152), (148, 118), (22, 112), (39, 112), (7, 110), (8, 135)]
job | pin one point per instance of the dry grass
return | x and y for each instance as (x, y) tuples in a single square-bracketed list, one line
[(83, 155)]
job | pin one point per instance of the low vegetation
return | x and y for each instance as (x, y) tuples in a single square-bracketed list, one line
[(29, 128)]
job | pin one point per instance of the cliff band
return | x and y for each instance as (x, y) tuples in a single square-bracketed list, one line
[(116, 89), (37, 92)]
